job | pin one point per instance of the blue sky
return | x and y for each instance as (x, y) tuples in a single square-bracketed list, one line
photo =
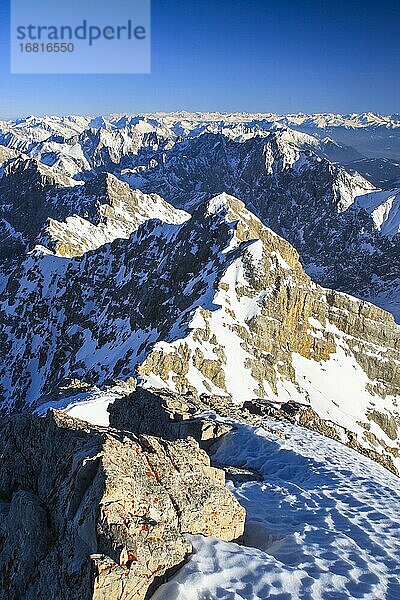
[(235, 55)]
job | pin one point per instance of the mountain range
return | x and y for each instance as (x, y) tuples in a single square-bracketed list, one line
[(224, 254), (302, 186), (184, 298)]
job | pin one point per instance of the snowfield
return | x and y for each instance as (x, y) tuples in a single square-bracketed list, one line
[(323, 522)]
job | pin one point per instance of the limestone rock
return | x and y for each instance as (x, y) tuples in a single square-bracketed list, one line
[(91, 513)]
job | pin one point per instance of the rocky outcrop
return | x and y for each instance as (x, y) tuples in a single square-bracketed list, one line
[(278, 336), (94, 513), (168, 415), (207, 418)]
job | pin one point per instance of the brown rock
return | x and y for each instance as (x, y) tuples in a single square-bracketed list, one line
[(166, 414)]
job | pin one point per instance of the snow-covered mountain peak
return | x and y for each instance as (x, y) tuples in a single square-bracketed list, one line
[(113, 210), (284, 168), (32, 172), (223, 204), (70, 217)]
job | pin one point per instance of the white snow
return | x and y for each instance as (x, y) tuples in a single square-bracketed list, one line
[(90, 406), (322, 524), (281, 261), (127, 212), (219, 204)]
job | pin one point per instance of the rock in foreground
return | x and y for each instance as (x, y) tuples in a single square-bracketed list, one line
[(169, 415), (93, 513)]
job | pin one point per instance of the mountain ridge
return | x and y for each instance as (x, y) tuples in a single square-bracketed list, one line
[(218, 304)]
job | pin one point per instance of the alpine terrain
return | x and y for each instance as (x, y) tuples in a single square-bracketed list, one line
[(188, 299)]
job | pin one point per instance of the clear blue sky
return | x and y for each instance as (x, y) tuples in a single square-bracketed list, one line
[(236, 55)]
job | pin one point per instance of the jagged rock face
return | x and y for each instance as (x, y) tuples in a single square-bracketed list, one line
[(78, 146), (303, 197), (7, 155), (117, 300), (384, 208), (69, 219), (24, 133), (274, 327), (384, 173), (93, 291), (24, 199), (218, 304), (198, 168), (113, 210), (96, 514), (121, 148)]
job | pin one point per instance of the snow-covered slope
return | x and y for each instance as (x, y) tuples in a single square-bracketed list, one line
[(370, 134), (73, 144), (44, 207), (384, 173), (260, 166), (102, 284), (117, 211), (322, 522)]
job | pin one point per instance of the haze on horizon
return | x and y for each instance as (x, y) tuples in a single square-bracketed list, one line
[(234, 56)]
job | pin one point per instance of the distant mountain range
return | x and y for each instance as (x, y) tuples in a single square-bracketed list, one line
[(305, 187), (207, 253)]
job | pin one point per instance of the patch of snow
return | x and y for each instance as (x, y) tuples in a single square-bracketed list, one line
[(276, 254), (89, 406), (322, 524), (384, 208)]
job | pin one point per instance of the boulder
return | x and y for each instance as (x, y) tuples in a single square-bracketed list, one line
[(93, 513)]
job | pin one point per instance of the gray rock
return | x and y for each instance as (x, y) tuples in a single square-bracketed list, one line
[(91, 513)]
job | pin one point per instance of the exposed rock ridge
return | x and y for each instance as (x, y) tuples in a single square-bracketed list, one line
[(304, 197), (70, 218), (207, 418)]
